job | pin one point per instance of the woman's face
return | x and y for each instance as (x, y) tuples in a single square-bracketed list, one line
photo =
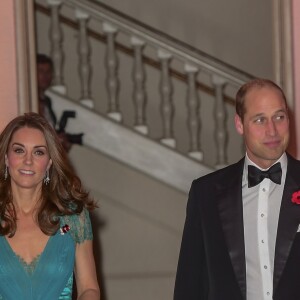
[(27, 158)]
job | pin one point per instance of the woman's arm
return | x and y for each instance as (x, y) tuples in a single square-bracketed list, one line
[(85, 272)]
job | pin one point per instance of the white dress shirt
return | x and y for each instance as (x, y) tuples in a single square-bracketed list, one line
[(261, 206)]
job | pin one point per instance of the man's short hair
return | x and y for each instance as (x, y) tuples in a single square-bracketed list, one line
[(249, 86), (44, 59)]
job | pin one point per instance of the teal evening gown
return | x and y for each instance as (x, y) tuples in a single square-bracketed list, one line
[(50, 275)]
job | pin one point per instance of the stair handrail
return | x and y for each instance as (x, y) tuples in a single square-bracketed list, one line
[(192, 62), (146, 59), (155, 37)]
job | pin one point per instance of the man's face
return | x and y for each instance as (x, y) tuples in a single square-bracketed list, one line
[(265, 126), (44, 76)]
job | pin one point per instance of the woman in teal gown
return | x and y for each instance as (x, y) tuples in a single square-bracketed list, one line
[(45, 229)]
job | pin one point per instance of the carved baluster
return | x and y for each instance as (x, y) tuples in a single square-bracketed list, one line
[(220, 115), (139, 93), (167, 107), (193, 120), (55, 34), (112, 80), (84, 67)]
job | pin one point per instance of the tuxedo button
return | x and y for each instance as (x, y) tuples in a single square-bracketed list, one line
[(265, 267), (262, 215)]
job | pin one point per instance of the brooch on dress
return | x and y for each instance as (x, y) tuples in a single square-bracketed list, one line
[(64, 229)]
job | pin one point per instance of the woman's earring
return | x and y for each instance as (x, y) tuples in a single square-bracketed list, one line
[(5, 173), (47, 178)]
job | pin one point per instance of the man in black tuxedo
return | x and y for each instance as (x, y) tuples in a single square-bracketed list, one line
[(241, 239)]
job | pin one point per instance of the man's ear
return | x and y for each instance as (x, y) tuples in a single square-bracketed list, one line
[(239, 124)]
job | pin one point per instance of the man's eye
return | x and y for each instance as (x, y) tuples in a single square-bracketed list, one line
[(280, 117), (259, 120)]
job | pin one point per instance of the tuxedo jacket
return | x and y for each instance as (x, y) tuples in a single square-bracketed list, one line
[(212, 257)]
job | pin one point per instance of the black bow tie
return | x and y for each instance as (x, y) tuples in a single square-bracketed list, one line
[(256, 176)]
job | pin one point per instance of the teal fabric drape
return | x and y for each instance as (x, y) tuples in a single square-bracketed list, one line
[(51, 275)]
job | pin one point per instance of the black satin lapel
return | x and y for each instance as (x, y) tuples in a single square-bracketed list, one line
[(231, 215), (288, 223)]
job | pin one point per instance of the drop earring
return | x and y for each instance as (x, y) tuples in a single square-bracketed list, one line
[(47, 178)]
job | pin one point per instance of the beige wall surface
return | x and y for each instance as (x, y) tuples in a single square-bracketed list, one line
[(8, 76), (236, 31), (137, 227)]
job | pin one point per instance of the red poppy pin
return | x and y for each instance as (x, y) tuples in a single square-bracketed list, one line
[(296, 197), (64, 229)]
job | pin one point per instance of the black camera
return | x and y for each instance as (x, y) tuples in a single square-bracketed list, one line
[(72, 138)]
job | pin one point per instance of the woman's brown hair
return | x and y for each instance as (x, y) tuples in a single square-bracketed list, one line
[(63, 195)]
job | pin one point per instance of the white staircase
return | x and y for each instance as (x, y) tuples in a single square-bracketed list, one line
[(154, 113), (158, 86), (129, 147)]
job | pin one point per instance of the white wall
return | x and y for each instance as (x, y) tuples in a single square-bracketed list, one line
[(137, 228), (236, 31)]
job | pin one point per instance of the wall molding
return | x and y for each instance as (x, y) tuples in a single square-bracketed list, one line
[(26, 56), (283, 47)]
